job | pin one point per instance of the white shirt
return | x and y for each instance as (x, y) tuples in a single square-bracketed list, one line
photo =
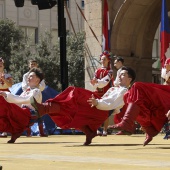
[(112, 99), (116, 82), (25, 84), (24, 98)]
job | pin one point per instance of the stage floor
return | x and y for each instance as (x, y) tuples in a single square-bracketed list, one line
[(65, 152)]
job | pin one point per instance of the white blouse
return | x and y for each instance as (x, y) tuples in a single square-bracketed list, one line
[(165, 75)]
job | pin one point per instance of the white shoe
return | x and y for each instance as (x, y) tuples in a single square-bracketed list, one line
[(3, 135), (99, 133), (104, 133)]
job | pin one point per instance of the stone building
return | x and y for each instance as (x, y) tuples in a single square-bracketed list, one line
[(134, 33), (134, 30), (34, 21)]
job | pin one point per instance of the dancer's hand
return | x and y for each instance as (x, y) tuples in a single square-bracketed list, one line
[(168, 115), (2, 93), (2, 76), (94, 81), (92, 101)]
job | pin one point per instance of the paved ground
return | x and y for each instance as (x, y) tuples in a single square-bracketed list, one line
[(65, 152)]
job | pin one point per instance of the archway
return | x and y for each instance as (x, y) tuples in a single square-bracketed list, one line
[(134, 24)]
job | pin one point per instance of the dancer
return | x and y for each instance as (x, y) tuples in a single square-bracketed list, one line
[(33, 64), (102, 81), (72, 108), (165, 72), (147, 103), (5, 83), (13, 118), (118, 64)]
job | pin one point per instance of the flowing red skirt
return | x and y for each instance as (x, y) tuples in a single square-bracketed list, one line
[(13, 119), (75, 111), (154, 103)]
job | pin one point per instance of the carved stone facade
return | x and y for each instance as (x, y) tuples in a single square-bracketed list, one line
[(133, 27)]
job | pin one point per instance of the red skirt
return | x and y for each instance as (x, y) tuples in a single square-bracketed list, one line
[(154, 103), (13, 119), (75, 111)]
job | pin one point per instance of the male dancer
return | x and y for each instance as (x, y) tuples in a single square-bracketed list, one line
[(148, 104), (33, 64), (102, 81), (13, 118), (6, 82), (72, 108)]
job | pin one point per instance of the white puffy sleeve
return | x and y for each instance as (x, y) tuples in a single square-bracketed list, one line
[(24, 82), (104, 81), (113, 100), (24, 99)]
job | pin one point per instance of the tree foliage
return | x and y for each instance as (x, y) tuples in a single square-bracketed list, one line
[(75, 54), (19, 60), (47, 56), (49, 59), (16, 51), (11, 39)]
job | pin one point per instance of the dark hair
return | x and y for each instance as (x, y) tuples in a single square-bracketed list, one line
[(32, 60), (38, 73), (131, 72), (1, 60), (118, 58), (105, 52)]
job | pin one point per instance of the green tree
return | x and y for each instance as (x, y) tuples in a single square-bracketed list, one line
[(19, 60), (18, 50), (11, 38), (48, 57), (75, 56)]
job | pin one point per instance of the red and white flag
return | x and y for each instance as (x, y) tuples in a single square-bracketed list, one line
[(165, 34), (106, 28)]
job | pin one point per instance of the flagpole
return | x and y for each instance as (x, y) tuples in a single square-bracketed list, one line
[(62, 37)]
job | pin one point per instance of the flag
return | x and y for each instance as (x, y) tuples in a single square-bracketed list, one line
[(106, 28), (165, 34)]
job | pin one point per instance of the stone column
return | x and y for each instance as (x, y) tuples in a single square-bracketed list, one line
[(141, 66), (93, 14)]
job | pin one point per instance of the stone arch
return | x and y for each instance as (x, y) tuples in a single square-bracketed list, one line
[(134, 24)]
